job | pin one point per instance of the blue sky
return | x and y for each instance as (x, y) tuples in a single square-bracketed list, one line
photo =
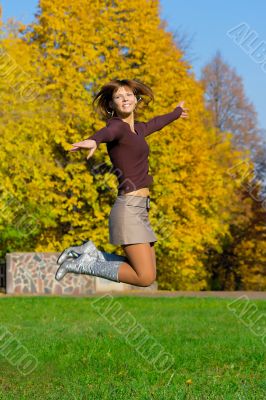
[(208, 23)]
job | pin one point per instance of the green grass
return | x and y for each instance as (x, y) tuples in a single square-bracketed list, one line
[(82, 355)]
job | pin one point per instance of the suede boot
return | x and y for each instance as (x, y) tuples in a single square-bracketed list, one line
[(89, 265)]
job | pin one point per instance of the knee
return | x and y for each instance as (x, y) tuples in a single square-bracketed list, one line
[(147, 280)]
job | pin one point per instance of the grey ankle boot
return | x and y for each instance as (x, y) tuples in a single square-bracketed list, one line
[(89, 265), (89, 248)]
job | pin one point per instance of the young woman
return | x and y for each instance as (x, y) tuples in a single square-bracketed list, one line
[(129, 224)]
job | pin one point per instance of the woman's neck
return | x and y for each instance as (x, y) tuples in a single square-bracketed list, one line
[(129, 119)]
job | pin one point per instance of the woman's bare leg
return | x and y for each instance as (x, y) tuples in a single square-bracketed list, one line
[(140, 270)]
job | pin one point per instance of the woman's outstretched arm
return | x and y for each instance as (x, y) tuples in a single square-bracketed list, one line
[(103, 135), (106, 134), (157, 123)]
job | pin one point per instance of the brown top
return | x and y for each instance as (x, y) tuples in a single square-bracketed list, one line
[(129, 151)]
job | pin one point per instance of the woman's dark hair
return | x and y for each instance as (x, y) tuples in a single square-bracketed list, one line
[(105, 95)]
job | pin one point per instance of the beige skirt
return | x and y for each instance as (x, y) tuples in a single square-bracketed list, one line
[(129, 221)]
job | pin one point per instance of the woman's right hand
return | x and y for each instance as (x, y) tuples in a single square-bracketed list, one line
[(85, 144)]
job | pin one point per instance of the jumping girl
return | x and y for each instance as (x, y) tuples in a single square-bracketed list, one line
[(129, 224)]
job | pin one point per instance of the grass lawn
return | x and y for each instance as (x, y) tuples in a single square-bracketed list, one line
[(118, 347)]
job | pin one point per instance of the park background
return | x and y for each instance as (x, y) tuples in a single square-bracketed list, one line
[(208, 197)]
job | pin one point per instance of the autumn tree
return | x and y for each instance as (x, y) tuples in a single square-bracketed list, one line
[(241, 262), (25, 170), (230, 109)]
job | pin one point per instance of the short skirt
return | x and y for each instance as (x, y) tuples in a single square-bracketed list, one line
[(129, 221)]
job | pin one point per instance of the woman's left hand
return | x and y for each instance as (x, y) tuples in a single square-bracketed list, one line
[(184, 112)]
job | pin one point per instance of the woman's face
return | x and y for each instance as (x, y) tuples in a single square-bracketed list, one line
[(124, 101)]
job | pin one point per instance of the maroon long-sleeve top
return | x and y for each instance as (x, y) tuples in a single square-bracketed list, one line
[(129, 151)]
